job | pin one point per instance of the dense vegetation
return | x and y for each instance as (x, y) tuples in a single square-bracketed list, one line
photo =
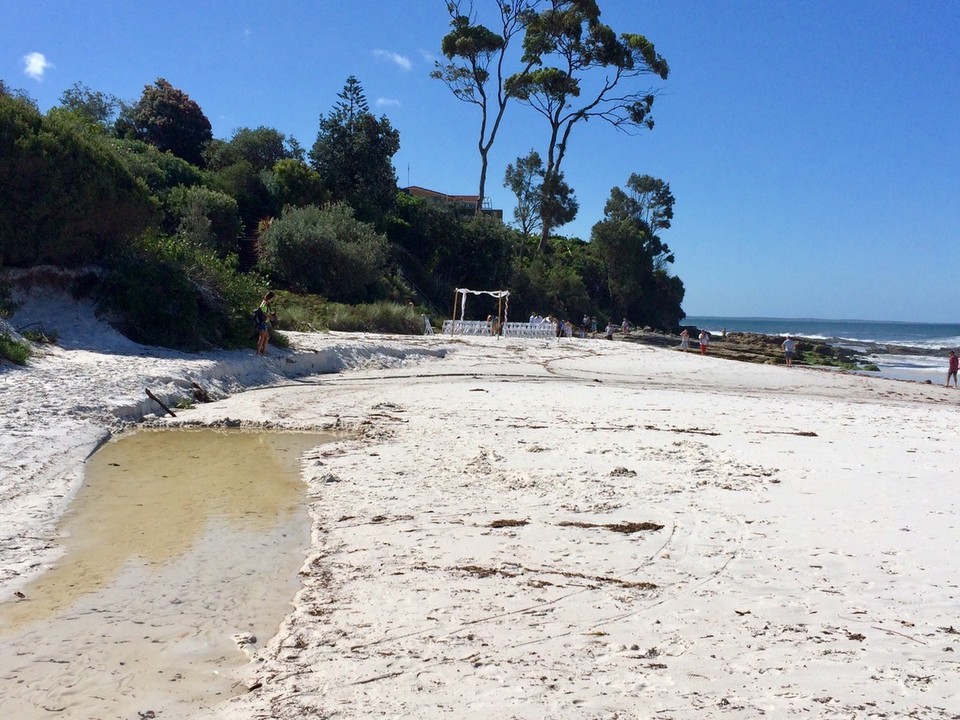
[(145, 192)]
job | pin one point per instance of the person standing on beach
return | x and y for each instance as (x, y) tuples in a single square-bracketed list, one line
[(684, 339), (264, 312), (704, 341), (952, 368), (788, 348)]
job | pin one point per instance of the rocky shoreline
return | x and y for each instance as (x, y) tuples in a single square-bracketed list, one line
[(766, 349)]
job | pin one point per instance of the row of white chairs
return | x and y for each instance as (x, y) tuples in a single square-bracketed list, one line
[(530, 330), (467, 327), (510, 329)]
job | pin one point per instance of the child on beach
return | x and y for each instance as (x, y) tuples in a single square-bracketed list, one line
[(263, 313)]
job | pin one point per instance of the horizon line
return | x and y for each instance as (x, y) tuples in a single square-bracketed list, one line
[(816, 319)]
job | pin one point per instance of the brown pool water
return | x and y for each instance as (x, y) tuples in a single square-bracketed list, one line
[(177, 542)]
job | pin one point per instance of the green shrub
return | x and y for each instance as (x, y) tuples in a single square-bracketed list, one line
[(293, 182), (67, 199), (326, 252), (205, 217), (13, 350), (169, 292), (160, 171)]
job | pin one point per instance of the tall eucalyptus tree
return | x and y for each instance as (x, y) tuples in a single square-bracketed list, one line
[(475, 73), (579, 66)]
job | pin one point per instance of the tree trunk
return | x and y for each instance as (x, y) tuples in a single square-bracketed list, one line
[(544, 236), (483, 181)]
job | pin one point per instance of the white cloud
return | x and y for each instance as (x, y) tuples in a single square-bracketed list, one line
[(399, 60), (35, 64), (386, 102)]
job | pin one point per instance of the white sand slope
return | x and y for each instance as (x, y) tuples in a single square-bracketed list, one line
[(582, 529)]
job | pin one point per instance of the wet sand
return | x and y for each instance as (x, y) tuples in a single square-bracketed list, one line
[(181, 555)]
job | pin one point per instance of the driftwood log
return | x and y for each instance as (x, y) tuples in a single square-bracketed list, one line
[(159, 402)]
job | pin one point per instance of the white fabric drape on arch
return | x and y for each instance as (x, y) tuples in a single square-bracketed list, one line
[(462, 296)]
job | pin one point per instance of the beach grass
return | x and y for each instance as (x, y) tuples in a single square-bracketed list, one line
[(306, 313)]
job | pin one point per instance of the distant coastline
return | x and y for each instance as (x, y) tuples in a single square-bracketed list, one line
[(933, 336)]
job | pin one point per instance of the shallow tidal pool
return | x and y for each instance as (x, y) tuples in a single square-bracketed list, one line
[(181, 547)]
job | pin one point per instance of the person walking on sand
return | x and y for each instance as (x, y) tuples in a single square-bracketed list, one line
[(263, 313), (684, 339), (788, 348), (704, 341), (952, 368)]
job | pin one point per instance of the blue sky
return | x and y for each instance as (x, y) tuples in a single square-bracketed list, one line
[(813, 148)]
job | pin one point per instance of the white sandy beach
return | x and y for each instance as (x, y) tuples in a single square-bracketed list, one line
[(542, 529)]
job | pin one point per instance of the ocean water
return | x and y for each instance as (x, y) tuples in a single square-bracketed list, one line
[(926, 344)]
